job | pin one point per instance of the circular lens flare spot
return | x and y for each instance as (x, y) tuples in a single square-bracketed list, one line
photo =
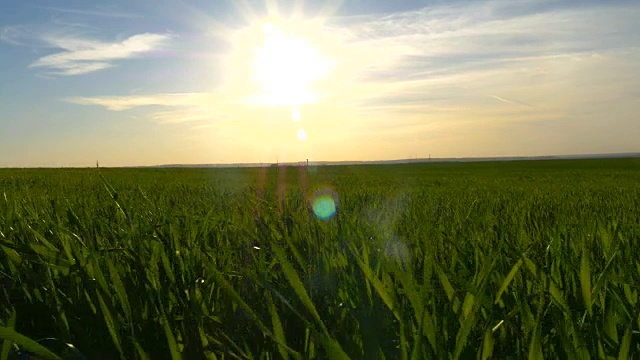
[(302, 135), (324, 204), (295, 114)]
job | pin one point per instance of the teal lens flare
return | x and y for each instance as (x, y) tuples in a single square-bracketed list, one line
[(324, 204)]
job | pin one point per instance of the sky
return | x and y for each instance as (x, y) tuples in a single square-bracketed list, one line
[(191, 82)]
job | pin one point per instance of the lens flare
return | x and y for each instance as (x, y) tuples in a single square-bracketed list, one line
[(302, 135), (324, 204), (324, 207), (295, 114)]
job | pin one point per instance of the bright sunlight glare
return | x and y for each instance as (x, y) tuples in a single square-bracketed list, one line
[(295, 114), (285, 66), (302, 135)]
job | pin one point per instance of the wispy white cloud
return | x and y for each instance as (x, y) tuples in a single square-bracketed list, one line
[(21, 35), (120, 103), (513, 102), (97, 11), (174, 108), (81, 56), (75, 52)]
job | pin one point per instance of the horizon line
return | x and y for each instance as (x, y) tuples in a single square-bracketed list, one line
[(360, 162)]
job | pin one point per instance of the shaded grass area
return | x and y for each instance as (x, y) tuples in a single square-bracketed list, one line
[(452, 260)]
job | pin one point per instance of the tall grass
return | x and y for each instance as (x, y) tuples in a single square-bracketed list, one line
[(492, 260)]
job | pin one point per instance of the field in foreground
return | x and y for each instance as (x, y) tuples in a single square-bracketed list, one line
[(488, 260)]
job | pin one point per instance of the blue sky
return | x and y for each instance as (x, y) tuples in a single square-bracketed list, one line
[(142, 83)]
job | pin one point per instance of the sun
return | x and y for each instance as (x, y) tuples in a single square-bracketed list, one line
[(285, 66), (278, 61)]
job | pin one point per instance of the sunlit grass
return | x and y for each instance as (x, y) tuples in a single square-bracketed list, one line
[(494, 260)]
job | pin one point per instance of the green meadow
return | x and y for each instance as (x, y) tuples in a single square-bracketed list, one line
[(486, 260)]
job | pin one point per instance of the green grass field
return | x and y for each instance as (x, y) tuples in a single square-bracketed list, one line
[(531, 259)]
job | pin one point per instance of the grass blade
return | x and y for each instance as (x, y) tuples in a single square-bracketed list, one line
[(295, 282), (111, 325), (334, 350), (535, 348), (380, 288), (508, 279), (249, 311), (463, 335), (278, 331), (487, 344), (6, 344), (625, 345), (585, 279), (171, 341), (27, 344), (142, 355)]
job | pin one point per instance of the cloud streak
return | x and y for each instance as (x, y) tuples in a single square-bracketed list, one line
[(513, 102), (120, 103), (176, 107), (100, 12), (77, 54), (82, 56)]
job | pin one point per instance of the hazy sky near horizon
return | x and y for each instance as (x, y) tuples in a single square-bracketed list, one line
[(144, 83)]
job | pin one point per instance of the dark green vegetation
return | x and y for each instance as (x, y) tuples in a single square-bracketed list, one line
[(502, 260)]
